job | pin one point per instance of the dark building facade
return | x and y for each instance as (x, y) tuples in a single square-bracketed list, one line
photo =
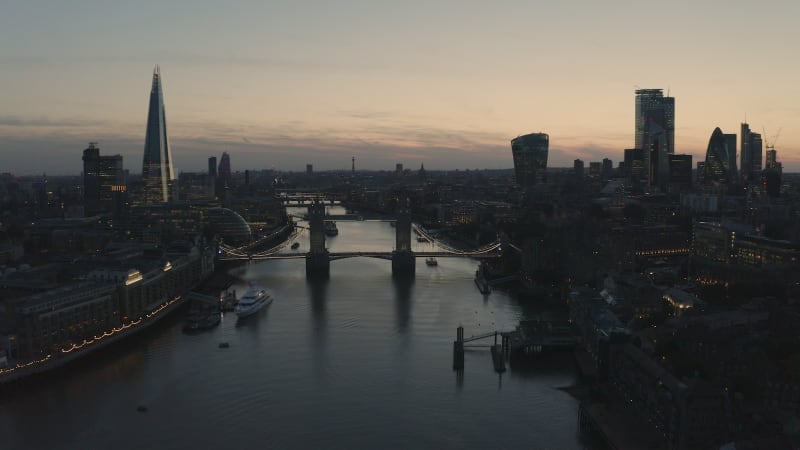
[(578, 168), (212, 177), (530, 158), (62, 319), (730, 143), (733, 255), (608, 168), (751, 149), (224, 176), (634, 163), (654, 130), (103, 181), (680, 172)]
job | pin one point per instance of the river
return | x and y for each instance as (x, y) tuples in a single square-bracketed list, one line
[(362, 361)]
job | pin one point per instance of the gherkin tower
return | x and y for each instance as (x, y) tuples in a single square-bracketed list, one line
[(157, 171)]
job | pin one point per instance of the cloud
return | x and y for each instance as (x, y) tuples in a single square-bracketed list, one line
[(45, 122), (54, 145)]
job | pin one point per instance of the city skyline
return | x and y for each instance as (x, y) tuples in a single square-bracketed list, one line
[(284, 86)]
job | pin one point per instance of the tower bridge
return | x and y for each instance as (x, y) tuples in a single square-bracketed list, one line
[(318, 257), (300, 198)]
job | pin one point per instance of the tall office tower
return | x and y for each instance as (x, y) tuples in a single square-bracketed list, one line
[(773, 173), (717, 165), (730, 143), (530, 158), (750, 158), (224, 170), (103, 181), (211, 186), (309, 169), (212, 166), (655, 131), (578, 168), (756, 153), (772, 159), (157, 171), (223, 181)]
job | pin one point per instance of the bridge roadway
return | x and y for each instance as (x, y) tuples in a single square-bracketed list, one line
[(379, 255)]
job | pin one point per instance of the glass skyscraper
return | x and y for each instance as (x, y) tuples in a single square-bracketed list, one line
[(530, 158), (717, 165), (157, 171), (655, 130), (751, 149)]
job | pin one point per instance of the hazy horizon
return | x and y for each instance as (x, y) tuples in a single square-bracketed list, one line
[(287, 84)]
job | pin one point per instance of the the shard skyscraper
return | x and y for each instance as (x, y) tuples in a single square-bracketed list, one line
[(157, 171)]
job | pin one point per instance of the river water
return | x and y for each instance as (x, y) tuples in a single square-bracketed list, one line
[(362, 361)]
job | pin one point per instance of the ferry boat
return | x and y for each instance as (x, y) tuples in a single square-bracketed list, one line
[(252, 301), (431, 261), (330, 228)]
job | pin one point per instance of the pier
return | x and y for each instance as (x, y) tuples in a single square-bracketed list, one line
[(499, 352), (530, 337)]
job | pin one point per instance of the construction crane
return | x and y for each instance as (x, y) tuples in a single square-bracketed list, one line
[(770, 145)]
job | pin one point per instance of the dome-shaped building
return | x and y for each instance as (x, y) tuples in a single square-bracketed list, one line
[(228, 225)]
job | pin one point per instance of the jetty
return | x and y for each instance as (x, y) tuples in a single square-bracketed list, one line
[(530, 337)]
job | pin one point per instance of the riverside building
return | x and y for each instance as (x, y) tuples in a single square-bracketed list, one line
[(110, 296)]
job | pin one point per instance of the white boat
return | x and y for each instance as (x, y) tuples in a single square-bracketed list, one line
[(252, 301)]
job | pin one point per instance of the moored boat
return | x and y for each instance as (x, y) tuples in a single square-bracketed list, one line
[(330, 228), (252, 301), (202, 320)]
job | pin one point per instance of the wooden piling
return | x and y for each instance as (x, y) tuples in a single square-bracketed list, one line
[(458, 349), (497, 359)]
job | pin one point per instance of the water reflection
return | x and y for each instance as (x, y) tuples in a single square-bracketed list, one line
[(362, 360), (318, 292), (402, 302)]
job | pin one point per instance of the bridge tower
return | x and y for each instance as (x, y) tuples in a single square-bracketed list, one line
[(318, 263), (403, 259)]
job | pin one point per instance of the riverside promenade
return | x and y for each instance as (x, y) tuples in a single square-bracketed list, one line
[(22, 369)]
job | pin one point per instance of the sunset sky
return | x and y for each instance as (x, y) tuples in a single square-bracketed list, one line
[(446, 83)]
